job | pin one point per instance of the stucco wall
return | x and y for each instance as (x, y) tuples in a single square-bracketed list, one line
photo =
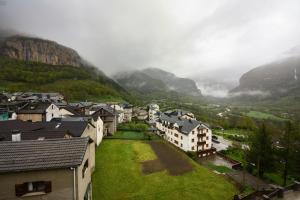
[(32, 117), (61, 181)]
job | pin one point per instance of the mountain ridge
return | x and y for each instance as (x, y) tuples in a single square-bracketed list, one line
[(156, 80)]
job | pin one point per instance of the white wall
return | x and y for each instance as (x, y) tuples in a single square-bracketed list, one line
[(52, 112), (187, 140)]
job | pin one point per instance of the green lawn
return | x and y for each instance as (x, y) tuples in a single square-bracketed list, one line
[(132, 135), (219, 168), (262, 115), (118, 175)]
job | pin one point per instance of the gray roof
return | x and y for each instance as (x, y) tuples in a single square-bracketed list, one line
[(29, 155), (185, 125), (34, 130)]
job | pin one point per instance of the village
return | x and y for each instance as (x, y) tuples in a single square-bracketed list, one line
[(48, 145)]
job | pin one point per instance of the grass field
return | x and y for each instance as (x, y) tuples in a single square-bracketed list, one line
[(119, 175), (219, 168), (262, 115), (132, 135)]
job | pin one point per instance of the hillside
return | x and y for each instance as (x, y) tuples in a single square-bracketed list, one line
[(275, 80), (77, 84), (33, 64), (157, 83)]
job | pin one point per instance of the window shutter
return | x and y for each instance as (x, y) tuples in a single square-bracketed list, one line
[(21, 189), (48, 186)]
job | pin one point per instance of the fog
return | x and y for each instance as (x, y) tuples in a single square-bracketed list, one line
[(208, 40)]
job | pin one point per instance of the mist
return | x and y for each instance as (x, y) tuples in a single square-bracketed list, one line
[(201, 39)]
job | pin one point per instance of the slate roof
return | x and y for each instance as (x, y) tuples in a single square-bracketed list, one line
[(34, 108), (34, 130), (185, 125), (29, 155)]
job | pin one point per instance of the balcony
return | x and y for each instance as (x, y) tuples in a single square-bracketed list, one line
[(199, 135), (200, 143), (206, 152)]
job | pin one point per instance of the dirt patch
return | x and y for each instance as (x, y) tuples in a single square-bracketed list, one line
[(171, 159), (151, 166)]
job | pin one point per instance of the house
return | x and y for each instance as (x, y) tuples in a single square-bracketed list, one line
[(69, 111), (140, 113), (153, 112), (45, 130), (127, 112), (39, 96), (108, 116), (46, 169), (96, 121), (186, 134), (38, 111), (181, 113), (119, 110)]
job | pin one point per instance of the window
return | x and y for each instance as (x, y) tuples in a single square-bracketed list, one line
[(206, 145), (207, 138), (181, 145), (193, 140), (176, 135), (181, 137), (85, 167), (193, 132), (192, 148), (16, 137), (33, 187), (176, 142)]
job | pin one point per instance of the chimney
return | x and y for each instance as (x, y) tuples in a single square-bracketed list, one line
[(16, 135)]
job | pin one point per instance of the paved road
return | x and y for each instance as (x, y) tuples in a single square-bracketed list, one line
[(250, 180), (223, 145)]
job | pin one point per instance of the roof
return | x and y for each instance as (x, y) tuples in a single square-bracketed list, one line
[(34, 130), (34, 108), (185, 125), (104, 107), (29, 155)]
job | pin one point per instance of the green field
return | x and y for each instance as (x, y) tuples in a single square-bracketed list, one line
[(118, 175), (262, 115), (132, 135)]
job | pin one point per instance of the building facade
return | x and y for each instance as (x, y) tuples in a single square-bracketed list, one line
[(186, 134)]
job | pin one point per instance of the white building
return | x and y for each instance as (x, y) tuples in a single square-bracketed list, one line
[(186, 134), (120, 111), (52, 112), (153, 112)]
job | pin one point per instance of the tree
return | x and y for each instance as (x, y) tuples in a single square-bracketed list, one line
[(289, 150), (260, 151)]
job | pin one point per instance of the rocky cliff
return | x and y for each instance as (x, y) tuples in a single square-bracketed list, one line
[(39, 50)]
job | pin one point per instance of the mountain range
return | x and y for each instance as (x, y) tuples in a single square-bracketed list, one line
[(274, 80), (153, 80)]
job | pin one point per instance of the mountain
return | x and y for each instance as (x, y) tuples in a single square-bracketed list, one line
[(34, 64), (156, 81), (274, 80), (39, 50)]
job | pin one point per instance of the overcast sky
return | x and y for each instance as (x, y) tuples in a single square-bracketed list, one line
[(191, 38)]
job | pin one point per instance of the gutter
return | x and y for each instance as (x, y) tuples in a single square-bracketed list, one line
[(74, 183)]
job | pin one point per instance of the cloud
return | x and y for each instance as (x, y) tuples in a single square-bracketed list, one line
[(221, 39)]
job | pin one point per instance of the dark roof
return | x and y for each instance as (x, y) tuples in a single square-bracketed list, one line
[(34, 108), (71, 109), (107, 108), (34, 130), (29, 155), (185, 125)]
